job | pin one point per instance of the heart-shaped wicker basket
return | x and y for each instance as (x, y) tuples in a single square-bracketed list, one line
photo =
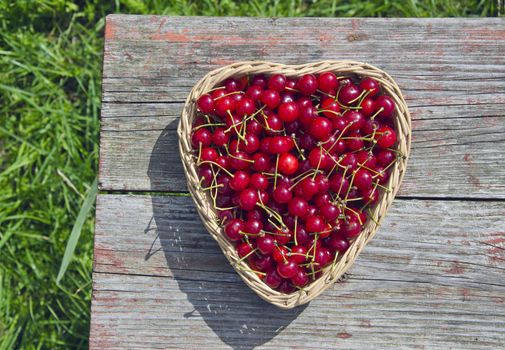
[(202, 200)]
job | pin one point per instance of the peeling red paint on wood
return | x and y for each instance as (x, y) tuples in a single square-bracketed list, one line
[(344, 335), (110, 29), (456, 268)]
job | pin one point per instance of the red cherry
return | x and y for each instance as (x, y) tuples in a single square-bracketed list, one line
[(319, 159), (387, 104), (255, 214), (290, 83), (306, 116), (277, 82), (201, 137), (259, 80), (218, 93), (382, 175), (363, 179), (209, 154), (273, 124), (264, 197), (258, 181), (323, 183), (254, 92), (282, 194), (385, 157), (330, 108), (329, 211), (349, 94), (266, 244), (280, 254), (320, 128), (371, 85), (302, 237), (253, 226), (287, 97), (254, 127), (288, 164), (233, 228), (206, 104), (243, 249), (321, 199), (368, 106), (307, 84), (286, 287), (239, 181), (338, 147), (322, 257), (231, 85), (237, 97), (314, 224), (354, 142), (224, 106), (270, 98), (292, 128), (338, 243), (251, 143), (205, 173), (220, 137), (371, 196), (224, 181), (351, 228), (327, 81), (225, 215), (349, 161), (338, 123), (283, 236), (248, 199), (262, 262), (261, 162), (367, 159), (355, 119), (239, 160), (309, 187), (300, 279), (245, 107), (298, 254), (339, 184), (385, 136), (288, 111), (280, 144), (370, 126), (273, 280), (297, 206), (287, 270)]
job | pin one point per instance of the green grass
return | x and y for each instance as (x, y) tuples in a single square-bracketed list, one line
[(50, 64)]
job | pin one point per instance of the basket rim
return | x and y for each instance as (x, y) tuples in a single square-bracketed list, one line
[(333, 272)]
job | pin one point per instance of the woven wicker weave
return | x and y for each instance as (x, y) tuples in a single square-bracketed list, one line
[(203, 204)]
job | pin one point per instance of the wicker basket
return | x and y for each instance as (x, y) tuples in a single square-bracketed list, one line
[(203, 204)]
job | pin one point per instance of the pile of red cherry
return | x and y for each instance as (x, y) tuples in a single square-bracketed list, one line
[(292, 167)]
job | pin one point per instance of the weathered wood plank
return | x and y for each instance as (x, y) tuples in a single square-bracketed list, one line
[(432, 278), (452, 72), (454, 154)]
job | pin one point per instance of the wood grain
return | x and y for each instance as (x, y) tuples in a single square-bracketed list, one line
[(432, 278), (451, 70)]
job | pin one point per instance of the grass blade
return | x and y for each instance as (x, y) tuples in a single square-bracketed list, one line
[(76, 230)]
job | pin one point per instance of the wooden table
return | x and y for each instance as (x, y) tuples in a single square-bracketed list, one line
[(433, 277)]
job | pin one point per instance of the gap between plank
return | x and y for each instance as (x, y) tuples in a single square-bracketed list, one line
[(187, 194)]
